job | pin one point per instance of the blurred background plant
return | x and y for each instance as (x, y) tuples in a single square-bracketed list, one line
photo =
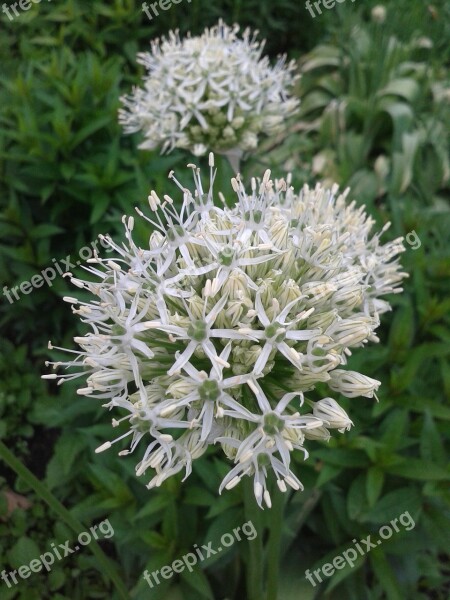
[(374, 115)]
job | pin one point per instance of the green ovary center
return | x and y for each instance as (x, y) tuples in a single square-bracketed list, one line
[(174, 233), (209, 390), (255, 216), (140, 422), (197, 331), (272, 424), (273, 332), (226, 256), (263, 460), (117, 330)]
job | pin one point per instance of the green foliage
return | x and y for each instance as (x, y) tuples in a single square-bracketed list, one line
[(17, 396), (28, 534), (374, 115), (379, 110)]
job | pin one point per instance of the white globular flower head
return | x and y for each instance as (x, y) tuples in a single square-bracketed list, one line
[(217, 332), (215, 91)]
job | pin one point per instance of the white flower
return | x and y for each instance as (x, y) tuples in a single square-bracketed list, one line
[(213, 92), (217, 331), (277, 333), (197, 334), (332, 415), (207, 396), (352, 384), (275, 433)]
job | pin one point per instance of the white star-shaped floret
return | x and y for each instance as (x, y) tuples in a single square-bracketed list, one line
[(277, 332), (209, 393), (199, 333)]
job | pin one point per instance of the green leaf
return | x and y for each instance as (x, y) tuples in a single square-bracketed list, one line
[(421, 470), (431, 447), (68, 170), (153, 505), (154, 590), (374, 484), (110, 483), (198, 581), (56, 579), (342, 457), (356, 498), (352, 150), (222, 503), (416, 358), (102, 202), (401, 115), (322, 56), (67, 449), (423, 405), (224, 523), (208, 474), (393, 504), (326, 473), (341, 574), (199, 497), (23, 552), (336, 519), (436, 522), (155, 540), (394, 427), (89, 129), (170, 524), (405, 88), (403, 163), (364, 185), (401, 334), (385, 575), (314, 101)]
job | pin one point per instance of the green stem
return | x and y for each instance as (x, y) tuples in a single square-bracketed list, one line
[(254, 571), (274, 543), (105, 565)]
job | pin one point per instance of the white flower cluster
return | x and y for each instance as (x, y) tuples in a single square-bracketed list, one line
[(215, 332), (212, 92)]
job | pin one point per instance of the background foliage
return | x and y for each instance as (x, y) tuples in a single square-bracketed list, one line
[(375, 114)]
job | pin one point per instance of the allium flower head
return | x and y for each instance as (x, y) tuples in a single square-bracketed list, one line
[(212, 92), (216, 332)]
